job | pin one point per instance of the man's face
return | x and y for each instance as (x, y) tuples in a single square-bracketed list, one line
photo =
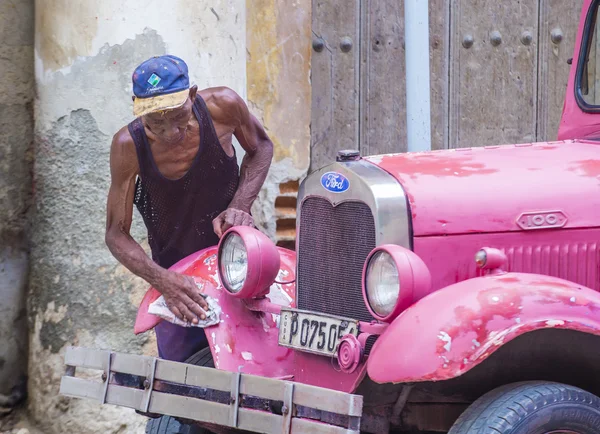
[(170, 126)]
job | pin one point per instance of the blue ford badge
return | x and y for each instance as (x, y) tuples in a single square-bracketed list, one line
[(335, 182)]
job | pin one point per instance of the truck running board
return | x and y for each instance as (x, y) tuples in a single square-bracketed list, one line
[(195, 393)]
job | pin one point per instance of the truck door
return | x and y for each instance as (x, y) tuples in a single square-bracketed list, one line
[(581, 111)]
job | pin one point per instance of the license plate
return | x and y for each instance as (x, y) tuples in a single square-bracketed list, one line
[(314, 332)]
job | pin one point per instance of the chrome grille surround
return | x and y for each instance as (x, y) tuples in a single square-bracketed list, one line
[(384, 196)]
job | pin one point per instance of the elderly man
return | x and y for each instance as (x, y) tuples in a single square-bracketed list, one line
[(176, 162)]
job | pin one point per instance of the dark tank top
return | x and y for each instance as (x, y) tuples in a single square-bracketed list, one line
[(179, 213)]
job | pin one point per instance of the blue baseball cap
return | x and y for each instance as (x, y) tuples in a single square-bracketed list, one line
[(160, 83)]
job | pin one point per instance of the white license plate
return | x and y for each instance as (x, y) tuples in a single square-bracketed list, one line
[(314, 332)]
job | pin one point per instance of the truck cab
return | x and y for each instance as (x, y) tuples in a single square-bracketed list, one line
[(445, 291)]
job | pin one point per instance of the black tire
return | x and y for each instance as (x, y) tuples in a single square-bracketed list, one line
[(531, 408), (170, 425)]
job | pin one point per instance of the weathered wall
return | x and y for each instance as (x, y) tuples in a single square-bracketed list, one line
[(16, 140), (279, 94), (85, 53)]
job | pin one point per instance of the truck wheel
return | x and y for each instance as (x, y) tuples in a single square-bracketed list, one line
[(532, 407), (170, 425)]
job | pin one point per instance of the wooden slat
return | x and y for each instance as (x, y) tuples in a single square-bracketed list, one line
[(267, 388), (259, 421), (314, 427), (86, 358), (191, 408), (125, 396), (80, 388), (327, 400), (197, 409), (132, 364), (199, 376)]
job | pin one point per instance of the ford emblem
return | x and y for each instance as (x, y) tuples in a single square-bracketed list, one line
[(335, 182)]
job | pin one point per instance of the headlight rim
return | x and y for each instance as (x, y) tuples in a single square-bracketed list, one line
[(368, 262), (414, 279), (263, 262), (223, 279)]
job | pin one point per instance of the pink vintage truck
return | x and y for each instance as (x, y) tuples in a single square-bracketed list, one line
[(450, 291)]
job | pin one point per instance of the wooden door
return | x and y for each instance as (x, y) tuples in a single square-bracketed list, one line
[(335, 79), (493, 72), (559, 20), (383, 76)]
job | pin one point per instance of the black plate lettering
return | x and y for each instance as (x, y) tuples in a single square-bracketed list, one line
[(322, 335), (304, 332), (314, 325), (332, 341)]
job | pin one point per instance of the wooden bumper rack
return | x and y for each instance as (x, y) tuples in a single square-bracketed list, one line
[(208, 395)]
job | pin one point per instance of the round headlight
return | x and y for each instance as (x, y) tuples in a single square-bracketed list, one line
[(382, 283), (234, 262), (393, 279)]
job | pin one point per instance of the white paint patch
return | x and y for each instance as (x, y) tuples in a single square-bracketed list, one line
[(476, 343), (275, 319), (229, 350), (214, 338), (554, 323), (443, 336), (246, 356), (518, 320), (266, 326), (573, 299), (465, 361), (377, 159), (495, 299), (217, 349)]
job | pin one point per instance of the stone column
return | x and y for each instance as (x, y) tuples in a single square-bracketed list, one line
[(16, 144), (85, 53)]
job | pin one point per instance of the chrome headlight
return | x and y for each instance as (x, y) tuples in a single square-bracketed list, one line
[(233, 262), (382, 283), (393, 279)]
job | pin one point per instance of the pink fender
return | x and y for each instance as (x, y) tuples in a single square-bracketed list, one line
[(454, 329), (244, 341)]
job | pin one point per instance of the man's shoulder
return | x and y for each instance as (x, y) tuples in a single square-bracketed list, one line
[(222, 102), (123, 144)]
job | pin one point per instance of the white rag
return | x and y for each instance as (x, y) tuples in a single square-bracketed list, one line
[(213, 316)]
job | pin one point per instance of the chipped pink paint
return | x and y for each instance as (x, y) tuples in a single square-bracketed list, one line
[(241, 332), (463, 324)]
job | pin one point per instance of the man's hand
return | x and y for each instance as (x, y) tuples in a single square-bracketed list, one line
[(229, 218), (183, 297)]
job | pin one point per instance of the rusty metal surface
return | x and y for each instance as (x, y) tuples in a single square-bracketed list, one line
[(462, 325)]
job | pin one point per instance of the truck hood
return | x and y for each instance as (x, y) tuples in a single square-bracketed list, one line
[(500, 188)]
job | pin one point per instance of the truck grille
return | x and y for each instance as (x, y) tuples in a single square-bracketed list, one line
[(333, 245)]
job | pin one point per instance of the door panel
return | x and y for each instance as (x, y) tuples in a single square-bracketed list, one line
[(335, 79), (558, 29), (383, 102), (493, 72)]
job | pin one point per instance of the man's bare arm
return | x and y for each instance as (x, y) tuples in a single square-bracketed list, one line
[(255, 165), (180, 292)]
